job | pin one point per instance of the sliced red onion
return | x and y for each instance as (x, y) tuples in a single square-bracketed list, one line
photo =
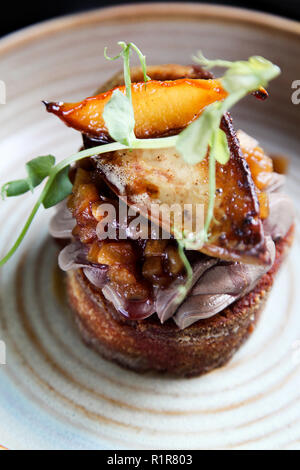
[(112, 296), (281, 215), (239, 278), (97, 276), (62, 223), (139, 309), (73, 256), (233, 278), (168, 300), (133, 309), (229, 278), (199, 307)]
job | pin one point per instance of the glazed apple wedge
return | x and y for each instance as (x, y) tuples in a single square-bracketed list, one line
[(160, 107)]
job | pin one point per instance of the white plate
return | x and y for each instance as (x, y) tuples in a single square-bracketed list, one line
[(54, 391)]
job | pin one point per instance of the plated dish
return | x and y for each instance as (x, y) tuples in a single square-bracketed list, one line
[(232, 385)]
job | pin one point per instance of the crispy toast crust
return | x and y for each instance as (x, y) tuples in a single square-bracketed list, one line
[(148, 345)]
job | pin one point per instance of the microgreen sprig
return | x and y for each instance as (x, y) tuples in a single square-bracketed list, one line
[(118, 113), (201, 138), (58, 185), (184, 289), (37, 170), (125, 53)]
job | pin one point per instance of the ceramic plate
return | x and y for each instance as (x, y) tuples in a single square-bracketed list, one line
[(55, 392)]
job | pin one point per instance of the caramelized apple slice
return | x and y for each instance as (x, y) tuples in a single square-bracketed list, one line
[(161, 177), (159, 106)]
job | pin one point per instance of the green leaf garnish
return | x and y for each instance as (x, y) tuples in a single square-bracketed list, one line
[(37, 170), (201, 138), (119, 118), (118, 113), (60, 188), (192, 143), (14, 188), (242, 74), (220, 150)]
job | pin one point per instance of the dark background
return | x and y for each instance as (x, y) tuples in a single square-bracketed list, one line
[(16, 15)]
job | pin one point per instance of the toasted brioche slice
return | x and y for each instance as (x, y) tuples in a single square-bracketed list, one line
[(148, 345)]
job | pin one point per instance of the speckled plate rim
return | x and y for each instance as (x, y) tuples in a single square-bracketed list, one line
[(161, 11), (143, 12)]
